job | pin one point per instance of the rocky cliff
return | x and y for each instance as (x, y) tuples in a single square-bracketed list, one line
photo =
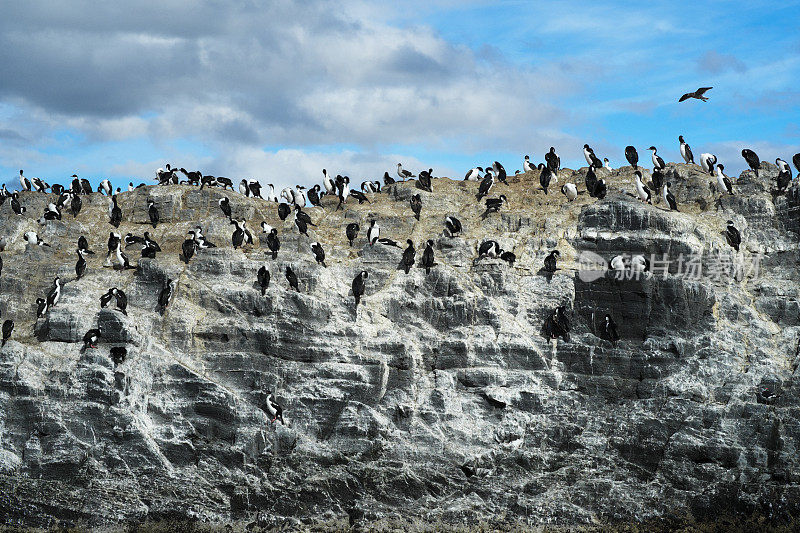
[(438, 398)]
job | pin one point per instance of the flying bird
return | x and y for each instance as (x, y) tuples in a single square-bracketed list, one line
[(698, 94)]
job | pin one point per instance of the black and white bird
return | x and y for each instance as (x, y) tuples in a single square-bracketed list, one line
[(424, 181), (545, 178), (105, 187), (122, 300), (225, 205), (416, 205), (123, 263), (113, 240), (669, 198), (387, 179), (152, 212), (313, 196), (452, 226), (707, 162), (8, 328), (344, 190), (90, 338), (80, 266), (552, 160), (130, 239), (274, 410), (607, 164), (474, 173), (359, 286), (24, 183), (16, 207), (526, 164), (114, 212), (550, 262), (262, 277), (493, 205), (166, 294), (698, 94), (273, 243), (404, 174), (657, 177), (271, 197), (570, 191), (428, 261), (489, 249), (508, 257), (733, 236), (752, 159), (41, 307), (373, 232), (189, 247), (327, 181), (642, 192), (107, 297), (291, 277), (591, 159), (608, 330), (632, 156), (32, 238), (244, 188), (723, 182), (658, 163), (686, 151), (54, 295), (485, 186), (500, 172), (784, 174), (319, 253), (409, 255), (51, 212), (200, 239), (284, 210), (351, 232)]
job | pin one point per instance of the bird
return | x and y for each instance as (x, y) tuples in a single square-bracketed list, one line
[(452, 226), (550, 261), (225, 205), (113, 241), (493, 205), (669, 198), (733, 236), (641, 189), (608, 330), (291, 277), (122, 260), (500, 172), (485, 186), (327, 181), (474, 173), (796, 161), (752, 160), (552, 160), (319, 253), (359, 285), (273, 243), (32, 238), (388, 242), (8, 328), (271, 197), (545, 177), (723, 182), (424, 181), (526, 164), (313, 196), (273, 409), (122, 300), (427, 257), (90, 338), (570, 191), (784, 174), (607, 164), (657, 177), (508, 257), (54, 295), (283, 210), (557, 324), (106, 298), (24, 182), (152, 212), (75, 205), (409, 254), (105, 187), (632, 156), (263, 279), (16, 207), (360, 196), (351, 232), (244, 189), (591, 159), (118, 355), (707, 162), (658, 163), (199, 238), (189, 247), (686, 151), (404, 174), (166, 294), (41, 307), (416, 205), (489, 249), (698, 94), (115, 213), (387, 179), (80, 266), (374, 232)]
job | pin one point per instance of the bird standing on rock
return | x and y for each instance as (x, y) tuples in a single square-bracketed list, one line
[(263, 279), (733, 236), (359, 285), (409, 254), (416, 205), (427, 257), (351, 232)]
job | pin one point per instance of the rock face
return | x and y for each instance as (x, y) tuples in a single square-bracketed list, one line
[(438, 398)]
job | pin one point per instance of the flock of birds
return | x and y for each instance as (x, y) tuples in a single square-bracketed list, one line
[(293, 201)]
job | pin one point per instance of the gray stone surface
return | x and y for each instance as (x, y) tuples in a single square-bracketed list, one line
[(438, 398)]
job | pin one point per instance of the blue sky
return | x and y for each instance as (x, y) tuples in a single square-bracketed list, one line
[(278, 90)]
